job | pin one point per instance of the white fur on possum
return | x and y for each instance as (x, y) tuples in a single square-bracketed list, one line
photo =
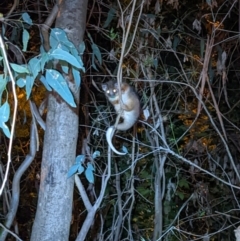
[(129, 112)]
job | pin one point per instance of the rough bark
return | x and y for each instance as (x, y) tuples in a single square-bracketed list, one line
[(54, 208)]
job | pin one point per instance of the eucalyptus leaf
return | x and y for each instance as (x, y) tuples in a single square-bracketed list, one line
[(29, 85), (3, 83), (80, 169), (59, 40), (45, 83), (75, 53), (19, 68), (97, 53), (80, 159), (21, 82), (35, 66), (64, 55), (96, 154), (26, 18), (110, 16), (5, 130), (77, 76), (73, 170), (176, 41), (89, 173), (59, 84), (4, 117), (93, 63), (43, 60), (81, 48), (25, 39), (4, 112), (125, 150), (78, 166)]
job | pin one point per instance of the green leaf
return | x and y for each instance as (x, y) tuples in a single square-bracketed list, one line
[(77, 167), (29, 85), (25, 39), (125, 150), (64, 55), (59, 39), (5, 130), (97, 53), (19, 68), (183, 183), (93, 63), (180, 195), (176, 41), (81, 48), (167, 207), (111, 14), (43, 80), (77, 76), (144, 191), (4, 112), (26, 18), (201, 213), (96, 154), (80, 169), (4, 117), (21, 82), (3, 83), (112, 34), (14, 37), (89, 173), (155, 63), (59, 84), (73, 170), (80, 159), (43, 60), (34, 66), (75, 53)]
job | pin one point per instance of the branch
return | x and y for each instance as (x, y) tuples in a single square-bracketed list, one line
[(16, 181), (7, 66), (117, 228), (46, 26), (92, 209), (15, 4), (12, 233)]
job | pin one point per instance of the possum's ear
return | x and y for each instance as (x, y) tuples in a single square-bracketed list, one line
[(116, 85), (104, 87)]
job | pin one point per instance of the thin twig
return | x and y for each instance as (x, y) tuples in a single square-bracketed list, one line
[(15, 105)]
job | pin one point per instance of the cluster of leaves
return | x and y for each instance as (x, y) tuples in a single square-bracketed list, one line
[(41, 67)]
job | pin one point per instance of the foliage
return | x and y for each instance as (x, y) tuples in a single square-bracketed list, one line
[(78, 168)]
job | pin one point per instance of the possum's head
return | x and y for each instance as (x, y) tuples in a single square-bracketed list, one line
[(111, 90)]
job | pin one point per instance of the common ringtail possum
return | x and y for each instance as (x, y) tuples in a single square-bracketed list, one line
[(129, 110)]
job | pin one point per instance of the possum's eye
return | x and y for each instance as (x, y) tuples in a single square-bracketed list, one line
[(107, 91), (114, 90)]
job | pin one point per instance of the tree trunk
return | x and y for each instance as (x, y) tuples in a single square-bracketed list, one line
[(54, 209)]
